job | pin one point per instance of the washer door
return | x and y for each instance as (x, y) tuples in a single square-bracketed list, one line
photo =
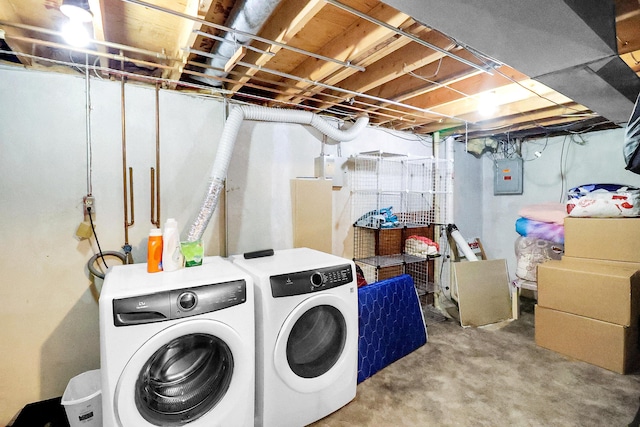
[(312, 349), (188, 373)]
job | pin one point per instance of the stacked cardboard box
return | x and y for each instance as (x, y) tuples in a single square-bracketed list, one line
[(589, 302)]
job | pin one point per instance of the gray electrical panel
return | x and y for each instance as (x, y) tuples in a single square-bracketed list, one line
[(507, 176)]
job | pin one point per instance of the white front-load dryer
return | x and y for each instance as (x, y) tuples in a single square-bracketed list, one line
[(306, 335), (177, 348)]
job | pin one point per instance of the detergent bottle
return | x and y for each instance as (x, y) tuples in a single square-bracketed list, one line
[(154, 251), (172, 258)]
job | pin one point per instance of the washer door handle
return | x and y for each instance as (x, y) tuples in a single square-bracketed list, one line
[(137, 318)]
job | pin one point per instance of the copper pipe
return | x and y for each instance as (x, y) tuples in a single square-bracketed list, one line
[(155, 174), (130, 223), (127, 192), (153, 197), (157, 154)]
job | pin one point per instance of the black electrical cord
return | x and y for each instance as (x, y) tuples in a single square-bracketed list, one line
[(563, 165), (93, 229), (91, 264)]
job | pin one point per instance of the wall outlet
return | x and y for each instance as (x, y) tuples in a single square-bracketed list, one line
[(89, 202)]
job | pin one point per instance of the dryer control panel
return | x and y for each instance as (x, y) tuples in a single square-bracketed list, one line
[(178, 303), (309, 281)]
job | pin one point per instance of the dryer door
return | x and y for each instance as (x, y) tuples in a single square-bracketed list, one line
[(317, 343), (188, 374)]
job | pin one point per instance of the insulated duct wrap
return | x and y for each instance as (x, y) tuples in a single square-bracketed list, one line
[(247, 17), (227, 140)]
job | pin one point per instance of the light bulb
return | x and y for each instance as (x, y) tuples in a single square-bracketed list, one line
[(75, 34), (487, 104), (76, 10)]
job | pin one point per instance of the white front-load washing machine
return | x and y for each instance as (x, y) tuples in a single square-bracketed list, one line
[(177, 348), (306, 335)]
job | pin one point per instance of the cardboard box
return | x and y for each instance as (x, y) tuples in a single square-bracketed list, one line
[(610, 346), (616, 239), (599, 289)]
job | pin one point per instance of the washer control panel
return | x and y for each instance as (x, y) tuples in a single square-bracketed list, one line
[(178, 303), (309, 281)]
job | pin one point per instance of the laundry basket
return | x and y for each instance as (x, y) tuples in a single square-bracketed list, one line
[(82, 400)]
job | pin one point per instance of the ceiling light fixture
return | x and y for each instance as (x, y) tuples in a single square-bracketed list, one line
[(75, 34), (77, 10), (487, 104)]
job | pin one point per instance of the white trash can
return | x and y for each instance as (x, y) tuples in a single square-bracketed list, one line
[(82, 400)]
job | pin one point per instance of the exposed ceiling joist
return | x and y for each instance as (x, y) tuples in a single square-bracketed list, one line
[(413, 65)]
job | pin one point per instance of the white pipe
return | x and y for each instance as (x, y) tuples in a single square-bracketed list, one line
[(228, 138), (462, 243), (449, 156)]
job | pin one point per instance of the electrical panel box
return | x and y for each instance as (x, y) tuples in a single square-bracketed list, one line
[(330, 167), (325, 167), (507, 176)]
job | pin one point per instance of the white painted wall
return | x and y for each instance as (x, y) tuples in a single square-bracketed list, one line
[(49, 316), (468, 190), (599, 160), (267, 156)]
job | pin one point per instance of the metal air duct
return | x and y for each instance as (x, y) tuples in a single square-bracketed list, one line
[(568, 45), (247, 17)]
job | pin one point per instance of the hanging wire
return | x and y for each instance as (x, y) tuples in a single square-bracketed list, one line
[(93, 229), (536, 157), (417, 76), (88, 128), (563, 164)]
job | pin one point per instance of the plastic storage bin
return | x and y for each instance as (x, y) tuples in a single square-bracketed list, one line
[(82, 400)]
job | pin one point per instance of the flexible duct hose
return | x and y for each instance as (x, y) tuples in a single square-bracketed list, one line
[(227, 141)]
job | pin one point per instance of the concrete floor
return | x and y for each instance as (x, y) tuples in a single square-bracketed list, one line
[(490, 376)]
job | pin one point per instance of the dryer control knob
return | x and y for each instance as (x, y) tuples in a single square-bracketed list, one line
[(317, 279), (187, 301)]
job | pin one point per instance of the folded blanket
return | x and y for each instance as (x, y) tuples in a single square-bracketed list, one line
[(604, 201), (542, 230), (530, 252), (420, 246), (545, 212)]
